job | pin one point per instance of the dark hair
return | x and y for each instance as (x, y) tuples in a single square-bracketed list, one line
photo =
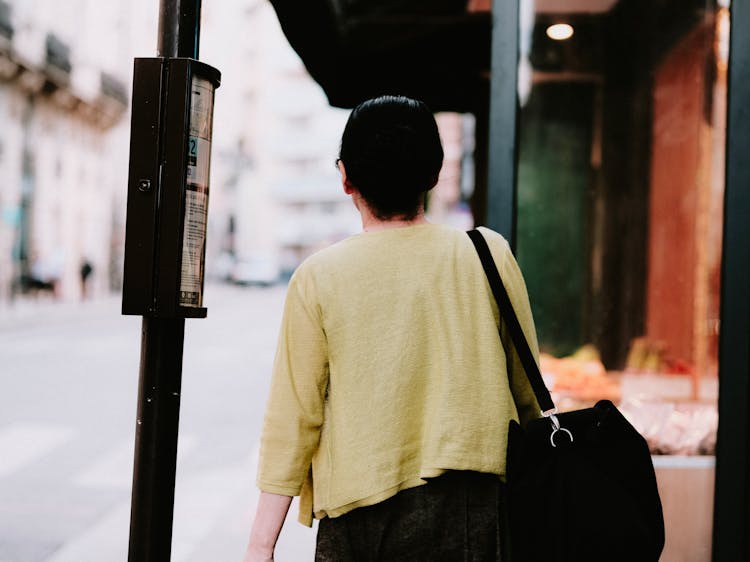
[(392, 153)]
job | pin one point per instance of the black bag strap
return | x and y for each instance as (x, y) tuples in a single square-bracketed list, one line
[(511, 321)]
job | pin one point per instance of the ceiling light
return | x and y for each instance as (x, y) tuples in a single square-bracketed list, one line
[(560, 31)]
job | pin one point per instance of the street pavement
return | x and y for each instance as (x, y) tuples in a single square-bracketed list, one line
[(68, 387)]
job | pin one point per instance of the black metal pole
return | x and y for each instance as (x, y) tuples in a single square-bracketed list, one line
[(152, 503), (179, 28), (503, 123), (731, 539), (160, 377)]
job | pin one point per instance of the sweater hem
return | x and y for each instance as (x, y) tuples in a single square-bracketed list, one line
[(280, 490)]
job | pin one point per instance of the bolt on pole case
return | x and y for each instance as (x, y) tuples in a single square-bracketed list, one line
[(170, 154)]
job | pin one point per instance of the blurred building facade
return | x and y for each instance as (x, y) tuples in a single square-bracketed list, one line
[(65, 70), (65, 83), (275, 188)]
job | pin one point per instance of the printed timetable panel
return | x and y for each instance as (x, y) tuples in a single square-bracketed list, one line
[(196, 194)]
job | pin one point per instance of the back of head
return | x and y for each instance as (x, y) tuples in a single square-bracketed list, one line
[(392, 153)]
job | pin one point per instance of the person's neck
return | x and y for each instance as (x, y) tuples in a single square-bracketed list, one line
[(371, 223)]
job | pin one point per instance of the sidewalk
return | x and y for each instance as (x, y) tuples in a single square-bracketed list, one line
[(26, 311), (29, 310)]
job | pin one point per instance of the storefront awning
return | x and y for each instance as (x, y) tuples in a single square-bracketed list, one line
[(434, 50)]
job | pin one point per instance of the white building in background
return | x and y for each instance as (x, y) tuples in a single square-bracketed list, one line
[(65, 84), (274, 194), (65, 73)]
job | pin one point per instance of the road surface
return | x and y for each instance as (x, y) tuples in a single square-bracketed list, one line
[(68, 387)]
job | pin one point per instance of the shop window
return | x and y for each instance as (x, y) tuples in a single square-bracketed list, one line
[(619, 221)]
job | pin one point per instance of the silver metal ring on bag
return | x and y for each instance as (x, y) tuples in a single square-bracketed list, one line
[(557, 429), (550, 414)]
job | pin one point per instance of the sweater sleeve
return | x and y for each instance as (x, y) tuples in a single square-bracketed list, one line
[(294, 411), (523, 394)]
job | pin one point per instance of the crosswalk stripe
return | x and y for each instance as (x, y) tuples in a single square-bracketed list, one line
[(200, 499), (227, 535), (114, 469), (212, 514), (107, 539), (22, 444)]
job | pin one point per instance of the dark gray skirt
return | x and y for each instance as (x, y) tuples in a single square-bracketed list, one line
[(453, 518)]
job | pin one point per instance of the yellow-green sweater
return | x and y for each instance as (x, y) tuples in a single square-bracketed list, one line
[(389, 369)]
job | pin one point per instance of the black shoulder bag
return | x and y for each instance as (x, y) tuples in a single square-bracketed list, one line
[(580, 485)]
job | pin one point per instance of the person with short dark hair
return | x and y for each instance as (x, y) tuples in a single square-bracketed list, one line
[(391, 392), (391, 152)]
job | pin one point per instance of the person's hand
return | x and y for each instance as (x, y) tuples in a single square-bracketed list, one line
[(256, 553)]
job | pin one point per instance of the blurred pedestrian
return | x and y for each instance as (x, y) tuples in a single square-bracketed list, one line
[(390, 397), (86, 270)]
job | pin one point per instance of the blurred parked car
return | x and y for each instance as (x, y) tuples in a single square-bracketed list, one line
[(257, 270), (221, 268)]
